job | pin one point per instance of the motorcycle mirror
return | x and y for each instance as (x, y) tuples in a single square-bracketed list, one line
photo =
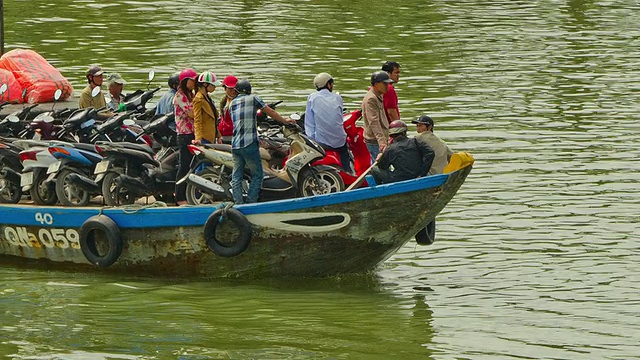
[(13, 118), (295, 116), (56, 96), (128, 122), (95, 91), (3, 89), (152, 74), (24, 96)]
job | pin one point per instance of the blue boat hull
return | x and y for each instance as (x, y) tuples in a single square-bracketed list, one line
[(317, 236)]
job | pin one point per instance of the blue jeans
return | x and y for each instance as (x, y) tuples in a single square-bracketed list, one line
[(250, 157), (374, 150)]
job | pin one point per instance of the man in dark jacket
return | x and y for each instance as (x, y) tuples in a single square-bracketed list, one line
[(404, 158)]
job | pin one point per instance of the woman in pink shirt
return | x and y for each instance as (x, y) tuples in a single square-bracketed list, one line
[(183, 106)]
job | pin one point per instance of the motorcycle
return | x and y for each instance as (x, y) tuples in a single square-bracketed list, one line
[(47, 125), (298, 177), (35, 160), (129, 171), (73, 160), (10, 169)]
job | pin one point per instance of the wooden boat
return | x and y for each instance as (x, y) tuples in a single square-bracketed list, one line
[(346, 232)]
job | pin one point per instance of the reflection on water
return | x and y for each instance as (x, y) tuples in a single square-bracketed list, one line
[(328, 318), (536, 256)]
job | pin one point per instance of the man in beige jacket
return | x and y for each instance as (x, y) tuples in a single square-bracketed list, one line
[(376, 124), (424, 126)]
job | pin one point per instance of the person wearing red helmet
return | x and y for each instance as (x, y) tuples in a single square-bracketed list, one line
[(225, 127), (405, 158), (204, 110), (183, 110)]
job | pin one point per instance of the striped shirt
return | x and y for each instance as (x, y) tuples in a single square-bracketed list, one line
[(245, 124)]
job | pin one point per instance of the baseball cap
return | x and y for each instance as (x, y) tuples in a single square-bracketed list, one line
[(380, 76), (116, 78), (95, 70), (424, 119)]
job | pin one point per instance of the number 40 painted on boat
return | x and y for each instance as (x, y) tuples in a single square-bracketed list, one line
[(45, 218)]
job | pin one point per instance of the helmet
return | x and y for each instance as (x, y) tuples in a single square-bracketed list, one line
[(174, 80), (321, 80), (243, 86), (94, 70), (209, 78), (230, 81), (188, 73), (397, 127), (380, 76)]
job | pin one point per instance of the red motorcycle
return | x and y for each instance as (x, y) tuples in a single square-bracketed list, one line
[(355, 141)]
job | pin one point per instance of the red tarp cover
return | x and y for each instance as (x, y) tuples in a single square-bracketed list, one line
[(14, 90), (36, 75)]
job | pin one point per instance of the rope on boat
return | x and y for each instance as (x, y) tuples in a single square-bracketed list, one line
[(134, 208)]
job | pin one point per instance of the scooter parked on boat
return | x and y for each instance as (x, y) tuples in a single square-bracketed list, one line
[(73, 160), (130, 171), (298, 177)]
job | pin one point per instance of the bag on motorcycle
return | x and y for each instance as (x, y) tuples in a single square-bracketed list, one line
[(14, 91), (36, 75)]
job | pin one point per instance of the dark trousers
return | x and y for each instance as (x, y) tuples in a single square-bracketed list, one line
[(345, 155), (184, 162)]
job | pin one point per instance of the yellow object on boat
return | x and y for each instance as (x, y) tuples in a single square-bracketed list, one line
[(458, 161)]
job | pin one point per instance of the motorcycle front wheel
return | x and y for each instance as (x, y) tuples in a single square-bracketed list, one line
[(41, 192), (69, 193), (324, 181), (196, 196), (9, 192), (114, 194)]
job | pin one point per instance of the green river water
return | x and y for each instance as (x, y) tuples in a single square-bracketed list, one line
[(537, 256)]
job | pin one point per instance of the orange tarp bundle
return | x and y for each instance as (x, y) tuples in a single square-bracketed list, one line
[(36, 75), (14, 90)]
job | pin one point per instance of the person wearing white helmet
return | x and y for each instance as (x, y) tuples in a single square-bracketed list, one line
[(204, 110), (323, 119)]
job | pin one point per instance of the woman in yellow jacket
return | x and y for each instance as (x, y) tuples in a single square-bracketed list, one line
[(204, 110)]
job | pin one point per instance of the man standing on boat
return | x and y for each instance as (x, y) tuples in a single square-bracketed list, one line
[(404, 158), (376, 124), (245, 144), (424, 125), (323, 119), (390, 99)]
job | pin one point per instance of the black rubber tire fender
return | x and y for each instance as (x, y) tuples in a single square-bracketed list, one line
[(244, 232), (110, 229)]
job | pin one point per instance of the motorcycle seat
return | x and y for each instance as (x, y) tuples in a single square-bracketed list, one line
[(221, 147), (128, 145), (86, 147)]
